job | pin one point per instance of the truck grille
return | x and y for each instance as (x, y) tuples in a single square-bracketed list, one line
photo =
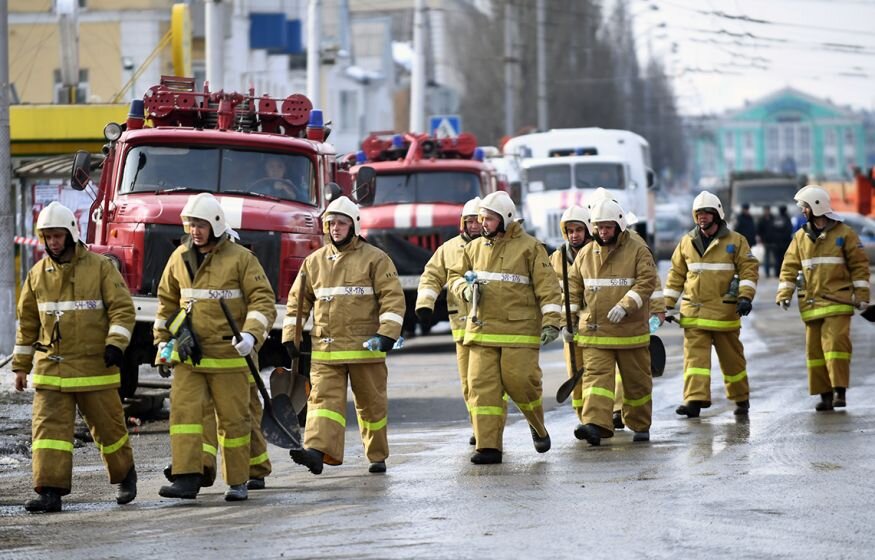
[(161, 240), (410, 251)]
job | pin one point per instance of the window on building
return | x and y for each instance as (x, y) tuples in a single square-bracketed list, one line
[(748, 140), (728, 140), (748, 164), (849, 137), (830, 137)]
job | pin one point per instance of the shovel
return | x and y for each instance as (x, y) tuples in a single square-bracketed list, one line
[(293, 382), (567, 387), (868, 314), (279, 423)]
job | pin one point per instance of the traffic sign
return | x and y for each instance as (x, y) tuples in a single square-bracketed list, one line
[(445, 126)]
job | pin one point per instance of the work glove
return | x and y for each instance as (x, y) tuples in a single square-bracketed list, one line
[(549, 334), (245, 344), (616, 314), (743, 307), (113, 356), (185, 346), (424, 314), (567, 336), (783, 303), (291, 349), (379, 343)]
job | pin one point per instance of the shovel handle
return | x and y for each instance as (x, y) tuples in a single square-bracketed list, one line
[(252, 369)]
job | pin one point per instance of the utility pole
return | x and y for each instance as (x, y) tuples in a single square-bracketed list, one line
[(542, 64), (214, 19), (7, 223), (509, 74), (417, 74), (314, 59)]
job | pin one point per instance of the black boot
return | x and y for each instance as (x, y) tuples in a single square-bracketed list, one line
[(377, 467), (186, 487), (472, 440), (839, 399), (742, 408), (127, 489), (310, 458), (49, 501), (486, 457), (168, 473), (825, 402), (542, 444), (255, 483), (690, 409), (589, 432), (618, 420)]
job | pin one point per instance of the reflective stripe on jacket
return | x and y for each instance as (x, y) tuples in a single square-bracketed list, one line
[(603, 277), (73, 311), (704, 280), (354, 293), (434, 279), (519, 295), (833, 263), (231, 272)]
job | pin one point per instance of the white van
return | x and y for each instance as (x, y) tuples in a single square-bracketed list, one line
[(561, 167)]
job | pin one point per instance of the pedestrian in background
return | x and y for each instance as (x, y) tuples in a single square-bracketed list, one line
[(764, 232), (744, 224)]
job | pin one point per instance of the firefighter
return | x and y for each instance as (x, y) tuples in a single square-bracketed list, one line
[(209, 363), (358, 308), (434, 278), (826, 261), (611, 282), (518, 310), (657, 302), (75, 317), (716, 271), (574, 225)]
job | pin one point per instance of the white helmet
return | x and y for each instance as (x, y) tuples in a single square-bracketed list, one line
[(204, 206), (344, 207), (607, 211), (500, 203), (56, 215), (574, 214), (471, 208), (602, 193), (816, 198), (706, 200)]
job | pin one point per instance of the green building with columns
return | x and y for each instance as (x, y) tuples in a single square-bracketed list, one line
[(786, 132)]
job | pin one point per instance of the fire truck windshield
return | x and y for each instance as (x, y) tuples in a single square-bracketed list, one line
[(439, 186), (158, 169), (588, 175)]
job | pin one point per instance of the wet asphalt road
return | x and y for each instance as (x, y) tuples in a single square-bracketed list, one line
[(785, 483)]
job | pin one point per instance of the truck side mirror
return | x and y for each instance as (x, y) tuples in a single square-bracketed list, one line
[(332, 191), (365, 186), (651, 179), (80, 174)]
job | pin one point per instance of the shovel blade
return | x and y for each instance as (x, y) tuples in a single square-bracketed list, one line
[(279, 423), (869, 314), (296, 386), (657, 356)]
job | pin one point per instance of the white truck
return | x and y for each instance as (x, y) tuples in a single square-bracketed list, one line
[(561, 167)]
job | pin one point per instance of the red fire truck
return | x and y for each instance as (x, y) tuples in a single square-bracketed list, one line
[(265, 159), (415, 205)]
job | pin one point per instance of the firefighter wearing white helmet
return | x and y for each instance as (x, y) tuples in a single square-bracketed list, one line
[(716, 271), (518, 310), (434, 278), (574, 226), (353, 291), (72, 334), (827, 262), (657, 299), (207, 359), (611, 283)]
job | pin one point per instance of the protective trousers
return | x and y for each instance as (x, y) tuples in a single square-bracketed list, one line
[(618, 392), (190, 395), (494, 371), (599, 385), (462, 363), (326, 409), (697, 364), (259, 462), (54, 415), (828, 349), (576, 393)]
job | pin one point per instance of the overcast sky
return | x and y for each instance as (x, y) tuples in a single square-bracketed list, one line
[(729, 51)]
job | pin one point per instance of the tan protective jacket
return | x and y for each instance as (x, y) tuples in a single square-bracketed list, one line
[(704, 280), (231, 272), (434, 278), (520, 295), (354, 293), (832, 264), (600, 279), (71, 312)]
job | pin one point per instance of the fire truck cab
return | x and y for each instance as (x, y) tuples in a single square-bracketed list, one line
[(416, 201), (265, 159)]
